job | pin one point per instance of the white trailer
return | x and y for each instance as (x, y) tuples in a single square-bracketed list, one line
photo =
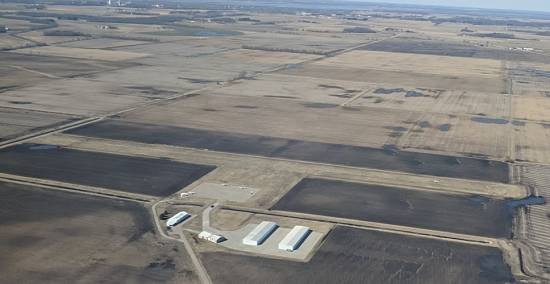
[(260, 233), (294, 238), (178, 218)]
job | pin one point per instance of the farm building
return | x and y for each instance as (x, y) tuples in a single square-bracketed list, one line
[(294, 238), (178, 218), (211, 237), (260, 233)]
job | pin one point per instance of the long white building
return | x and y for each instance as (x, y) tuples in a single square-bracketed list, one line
[(260, 233), (294, 238), (178, 218)]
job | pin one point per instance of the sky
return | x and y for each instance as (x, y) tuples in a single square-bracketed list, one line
[(533, 5)]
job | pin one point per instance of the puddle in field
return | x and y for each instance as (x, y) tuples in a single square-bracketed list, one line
[(424, 124), (518, 123), (444, 127), (397, 128), (20, 102), (245, 106), (388, 91), (527, 201), (319, 105), (414, 94), (488, 120)]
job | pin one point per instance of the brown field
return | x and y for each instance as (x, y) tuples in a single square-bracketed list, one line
[(455, 134), (81, 53), (281, 118), (532, 142), (417, 63), (101, 43), (413, 80), (296, 88), (14, 122), (532, 107), (437, 101), (269, 98)]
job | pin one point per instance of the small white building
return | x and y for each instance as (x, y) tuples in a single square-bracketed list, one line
[(211, 237), (178, 218), (294, 238), (260, 233)]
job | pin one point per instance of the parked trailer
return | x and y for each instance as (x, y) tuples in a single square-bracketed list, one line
[(260, 233), (178, 218), (294, 238)]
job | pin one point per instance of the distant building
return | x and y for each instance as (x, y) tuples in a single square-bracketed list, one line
[(106, 27), (527, 49), (260, 233), (178, 218), (294, 238)]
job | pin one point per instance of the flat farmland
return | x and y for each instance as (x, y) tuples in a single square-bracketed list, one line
[(435, 101), (14, 122), (304, 42), (55, 66), (477, 135), (171, 78), (38, 36), (524, 86), (196, 62), (80, 96), (473, 103), (274, 117), (398, 97), (238, 60), (11, 77), (531, 107), (153, 177), (177, 53), (81, 53), (183, 48), (9, 42), (388, 158), (529, 78), (406, 79), (465, 214), (18, 24), (411, 70), (417, 63), (102, 43), (532, 142), (419, 45), (410, 125), (295, 88), (52, 236), (530, 87), (361, 256), (444, 47)]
